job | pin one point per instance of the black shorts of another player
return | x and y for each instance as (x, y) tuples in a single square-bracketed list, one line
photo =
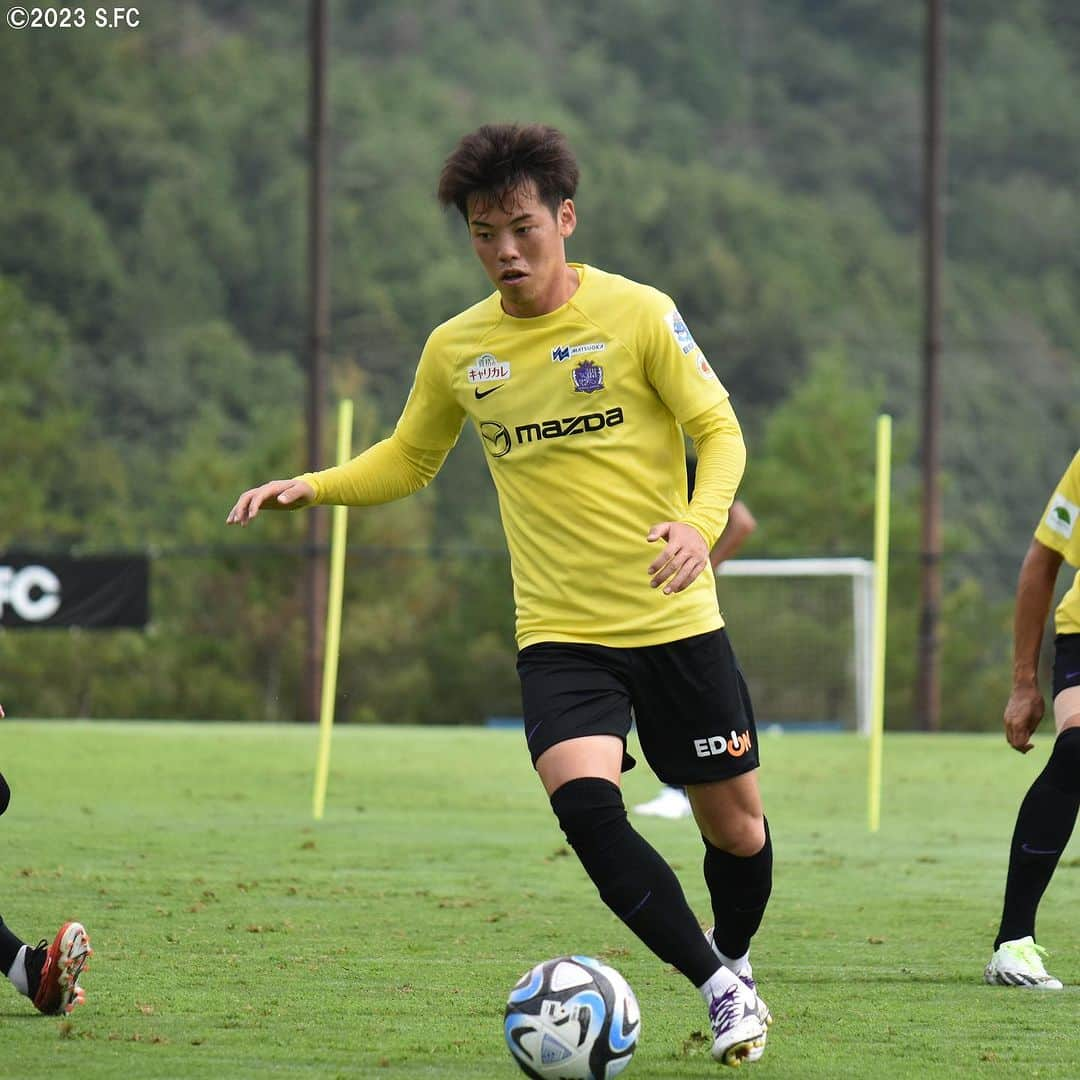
[(1066, 662), (689, 699)]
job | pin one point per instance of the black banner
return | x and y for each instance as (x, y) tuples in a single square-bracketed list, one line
[(98, 592)]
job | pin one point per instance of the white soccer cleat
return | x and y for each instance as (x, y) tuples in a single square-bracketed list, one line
[(738, 1034), (745, 973), (1019, 963), (671, 803)]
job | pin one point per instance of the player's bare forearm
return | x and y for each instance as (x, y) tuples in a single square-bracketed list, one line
[(1034, 593), (740, 524)]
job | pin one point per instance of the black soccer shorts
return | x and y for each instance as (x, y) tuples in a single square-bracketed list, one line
[(1066, 662), (693, 712)]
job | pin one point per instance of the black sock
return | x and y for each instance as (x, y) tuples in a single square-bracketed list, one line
[(631, 877), (9, 948), (740, 888), (1043, 827)]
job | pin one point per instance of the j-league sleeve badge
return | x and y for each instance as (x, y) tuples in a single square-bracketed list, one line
[(681, 331)]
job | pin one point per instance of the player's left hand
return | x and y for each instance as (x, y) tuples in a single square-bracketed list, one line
[(684, 556), (1022, 715)]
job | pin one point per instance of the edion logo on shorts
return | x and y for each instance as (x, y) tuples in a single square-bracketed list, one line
[(736, 745)]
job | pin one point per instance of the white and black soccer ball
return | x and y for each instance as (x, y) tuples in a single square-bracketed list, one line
[(572, 1018)]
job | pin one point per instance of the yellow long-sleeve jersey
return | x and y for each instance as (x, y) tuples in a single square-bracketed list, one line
[(581, 413)]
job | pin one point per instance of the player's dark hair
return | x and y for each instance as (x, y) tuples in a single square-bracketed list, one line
[(496, 160)]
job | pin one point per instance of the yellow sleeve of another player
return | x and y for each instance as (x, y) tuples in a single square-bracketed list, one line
[(1059, 528), (426, 432)]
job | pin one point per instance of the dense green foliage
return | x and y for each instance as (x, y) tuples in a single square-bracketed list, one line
[(760, 162), (234, 936)]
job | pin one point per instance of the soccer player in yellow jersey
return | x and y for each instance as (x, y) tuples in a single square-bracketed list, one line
[(580, 385), (1048, 813)]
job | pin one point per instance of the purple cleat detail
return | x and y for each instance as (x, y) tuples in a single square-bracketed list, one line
[(737, 1031)]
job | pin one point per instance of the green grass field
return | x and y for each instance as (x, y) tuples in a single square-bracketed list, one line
[(235, 937)]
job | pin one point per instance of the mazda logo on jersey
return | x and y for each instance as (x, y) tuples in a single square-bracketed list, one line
[(496, 438), (569, 425), (498, 441)]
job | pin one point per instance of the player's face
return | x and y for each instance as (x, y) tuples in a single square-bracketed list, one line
[(522, 247)]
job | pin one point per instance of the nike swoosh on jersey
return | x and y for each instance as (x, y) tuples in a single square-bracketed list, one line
[(484, 393)]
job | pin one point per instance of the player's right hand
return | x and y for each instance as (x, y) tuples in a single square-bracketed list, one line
[(276, 495), (1022, 715)]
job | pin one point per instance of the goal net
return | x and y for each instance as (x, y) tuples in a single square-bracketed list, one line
[(802, 630)]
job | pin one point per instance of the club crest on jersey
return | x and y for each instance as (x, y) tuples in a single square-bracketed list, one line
[(681, 332), (487, 368), (564, 352), (588, 377)]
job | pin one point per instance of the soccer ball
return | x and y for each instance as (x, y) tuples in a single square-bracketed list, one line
[(572, 1018)]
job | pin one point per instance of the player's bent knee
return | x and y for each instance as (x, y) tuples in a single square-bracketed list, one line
[(586, 806), (742, 834)]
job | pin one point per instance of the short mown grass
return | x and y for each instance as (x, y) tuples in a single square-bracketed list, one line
[(236, 937)]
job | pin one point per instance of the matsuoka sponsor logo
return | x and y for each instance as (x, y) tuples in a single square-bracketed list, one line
[(564, 352)]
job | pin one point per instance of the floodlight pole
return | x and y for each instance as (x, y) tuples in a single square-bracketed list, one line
[(928, 700), (317, 575)]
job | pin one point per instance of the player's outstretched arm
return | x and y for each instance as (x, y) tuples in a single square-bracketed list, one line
[(1034, 593), (276, 495)]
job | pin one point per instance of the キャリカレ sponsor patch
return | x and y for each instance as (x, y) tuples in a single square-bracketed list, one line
[(488, 368)]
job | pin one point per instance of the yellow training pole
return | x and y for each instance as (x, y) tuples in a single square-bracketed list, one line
[(333, 615), (881, 597)]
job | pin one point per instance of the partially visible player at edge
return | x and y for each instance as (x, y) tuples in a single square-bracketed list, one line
[(581, 385), (673, 802), (1048, 812), (47, 974)]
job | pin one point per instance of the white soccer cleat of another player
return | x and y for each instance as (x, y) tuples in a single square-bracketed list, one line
[(671, 803), (1019, 963)]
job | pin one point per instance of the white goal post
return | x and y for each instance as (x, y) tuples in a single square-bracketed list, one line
[(861, 573)]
